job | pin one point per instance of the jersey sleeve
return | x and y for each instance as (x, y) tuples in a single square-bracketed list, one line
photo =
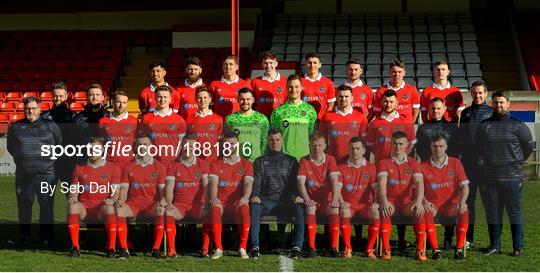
[(411, 136), (213, 170), (274, 119), (265, 127), (175, 100), (382, 168), (461, 178), (162, 175), (415, 98), (142, 102), (75, 178), (369, 99), (248, 176), (330, 91), (372, 171), (124, 178), (302, 169), (460, 102), (415, 165), (377, 100), (332, 166), (362, 129), (312, 116), (424, 103), (116, 176), (181, 130), (371, 135)]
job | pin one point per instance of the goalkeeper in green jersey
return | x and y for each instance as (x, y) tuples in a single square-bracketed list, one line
[(250, 126), (296, 119)]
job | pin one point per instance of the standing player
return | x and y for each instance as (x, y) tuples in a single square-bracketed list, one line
[(441, 88), (207, 125), (318, 90), (362, 93), (318, 184), (120, 129), (270, 88), (188, 103), (358, 198), (407, 95), (250, 126), (380, 130), (231, 181), (143, 182), (342, 124), (147, 96), (296, 119), (446, 189), (225, 91), (87, 120), (165, 128), (398, 177), (185, 193), (98, 206)]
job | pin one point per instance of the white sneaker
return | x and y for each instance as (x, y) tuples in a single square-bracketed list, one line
[(218, 253), (243, 253), (469, 245)]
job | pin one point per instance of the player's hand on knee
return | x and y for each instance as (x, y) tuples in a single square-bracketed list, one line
[(214, 201), (298, 200), (344, 205), (108, 202), (387, 209), (418, 209), (428, 206), (72, 200), (335, 203), (310, 203), (462, 207), (243, 200), (162, 203), (255, 200), (119, 203)]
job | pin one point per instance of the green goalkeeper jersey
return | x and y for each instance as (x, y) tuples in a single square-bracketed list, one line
[(297, 122), (252, 133)]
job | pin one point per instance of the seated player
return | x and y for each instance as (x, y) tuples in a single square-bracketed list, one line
[(94, 206), (318, 186), (401, 192), (446, 192), (141, 195), (231, 180), (357, 196), (185, 193)]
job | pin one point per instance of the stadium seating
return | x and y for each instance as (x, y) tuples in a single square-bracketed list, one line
[(418, 39)]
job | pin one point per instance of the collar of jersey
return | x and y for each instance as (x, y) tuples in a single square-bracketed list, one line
[(230, 82), (120, 117), (156, 112), (399, 163), (199, 82), (441, 87), (314, 162), (360, 84), (444, 163), (153, 88), (350, 111), (389, 86), (198, 113), (142, 164), (268, 79), (362, 163), (95, 166), (389, 119), (229, 161), (319, 77), (187, 164)]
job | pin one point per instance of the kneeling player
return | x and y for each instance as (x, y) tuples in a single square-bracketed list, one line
[(318, 185), (398, 177), (446, 192), (357, 198), (141, 195), (94, 175), (231, 180), (185, 193)]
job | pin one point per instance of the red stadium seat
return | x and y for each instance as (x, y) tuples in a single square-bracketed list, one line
[(2, 96), (20, 107), (4, 123), (77, 106), (45, 105), (79, 96), (7, 107), (13, 96), (46, 96), (4, 118), (30, 94), (16, 117)]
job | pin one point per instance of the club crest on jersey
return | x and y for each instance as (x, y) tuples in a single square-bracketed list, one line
[(408, 171), (128, 129), (303, 113), (172, 126), (349, 187), (241, 171), (321, 89), (153, 175), (103, 176), (212, 126), (236, 131), (362, 96), (451, 173), (256, 123), (84, 175), (365, 176), (279, 89), (353, 124), (285, 123), (397, 128), (198, 174), (310, 183), (405, 96)]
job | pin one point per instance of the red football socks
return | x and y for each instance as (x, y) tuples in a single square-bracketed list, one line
[(170, 229), (216, 226), (431, 230), (461, 229), (243, 227), (386, 231), (334, 230), (311, 229), (110, 230), (206, 230), (73, 228), (346, 231), (373, 230), (159, 226), (419, 231), (122, 232)]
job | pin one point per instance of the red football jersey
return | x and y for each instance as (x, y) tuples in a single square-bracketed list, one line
[(318, 185), (379, 134), (101, 174), (208, 128), (408, 99), (188, 103), (231, 177), (362, 97), (319, 93), (339, 128), (400, 182), (147, 99), (122, 130), (225, 94), (451, 95), (442, 183), (269, 93), (358, 182), (188, 187), (165, 132), (144, 182)]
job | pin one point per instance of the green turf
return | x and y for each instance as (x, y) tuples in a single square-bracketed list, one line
[(46, 260)]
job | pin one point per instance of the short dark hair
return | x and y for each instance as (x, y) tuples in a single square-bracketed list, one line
[(274, 131), (343, 87), (358, 139), (192, 60), (94, 85), (438, 137), (398, 135), (500, 94), (439, 62), (435, 99), (479, 83), (59, 85), (96, 140), (353, 61), (317, 136), (201, 89), (293, 77), (231, 57), (230, 134), (165, 88), (397, 63), (245, 90), (269, 55), (312, 55), (389, 93), (31, 99), (120, 93), (158, 62)]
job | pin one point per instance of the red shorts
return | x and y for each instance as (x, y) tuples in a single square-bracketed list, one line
[(93, 210), (360, 210), (141, 207), (189, 210), (445, 208), (400, 204)]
